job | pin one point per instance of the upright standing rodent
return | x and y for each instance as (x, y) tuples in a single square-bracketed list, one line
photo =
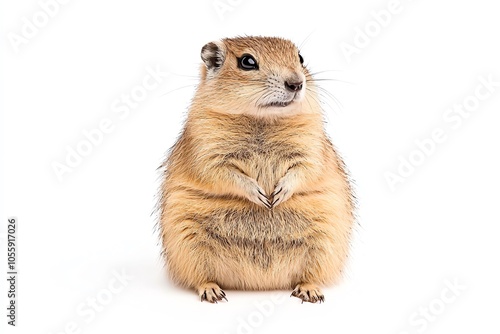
[(254, 196)]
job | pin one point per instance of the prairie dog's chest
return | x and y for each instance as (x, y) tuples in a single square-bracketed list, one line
[(264, 154), (265, 148)]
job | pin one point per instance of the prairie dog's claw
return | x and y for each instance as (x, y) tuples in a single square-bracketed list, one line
[(211, 293)]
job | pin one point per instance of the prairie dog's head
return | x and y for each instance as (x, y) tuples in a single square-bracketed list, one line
[(263, 76)]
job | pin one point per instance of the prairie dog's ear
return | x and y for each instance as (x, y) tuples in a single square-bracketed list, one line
[(213, 55)]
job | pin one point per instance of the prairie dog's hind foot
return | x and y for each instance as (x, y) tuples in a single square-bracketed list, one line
[(211, 292), (308, 293)]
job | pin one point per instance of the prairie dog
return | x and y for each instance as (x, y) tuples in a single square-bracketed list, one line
[(254, 195)]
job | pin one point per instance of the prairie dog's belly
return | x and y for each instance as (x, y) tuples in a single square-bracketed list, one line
[(250, 223), (254, 247), (258, 248)]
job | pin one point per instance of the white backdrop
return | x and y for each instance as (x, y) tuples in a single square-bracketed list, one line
[(419, 87)]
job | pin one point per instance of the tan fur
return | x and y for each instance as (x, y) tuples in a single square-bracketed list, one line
[(212, 227)]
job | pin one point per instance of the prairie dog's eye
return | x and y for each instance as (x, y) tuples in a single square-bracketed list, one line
[(247, 62), (301, 59)]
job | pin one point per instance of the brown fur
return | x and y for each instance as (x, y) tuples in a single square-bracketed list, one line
[(214, 233)]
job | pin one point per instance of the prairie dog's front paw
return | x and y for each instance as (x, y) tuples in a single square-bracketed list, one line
[(256, 194), (282, 192)]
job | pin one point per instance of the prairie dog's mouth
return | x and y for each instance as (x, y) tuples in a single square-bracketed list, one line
[(279, 104), (282, 104)]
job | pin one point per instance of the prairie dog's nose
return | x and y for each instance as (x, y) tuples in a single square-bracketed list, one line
[(293, 86)]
